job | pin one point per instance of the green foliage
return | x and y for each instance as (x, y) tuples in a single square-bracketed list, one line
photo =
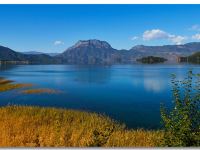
[(152, 60), (182, 123), (194, 58)]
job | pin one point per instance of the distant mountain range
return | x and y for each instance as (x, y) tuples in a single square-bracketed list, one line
[(7, 54), (101, 52), (37, 53), (96, 51)]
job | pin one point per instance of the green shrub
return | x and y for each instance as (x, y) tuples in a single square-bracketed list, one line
[(182, 123)]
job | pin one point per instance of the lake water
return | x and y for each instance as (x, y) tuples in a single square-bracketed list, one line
[(130, 94)]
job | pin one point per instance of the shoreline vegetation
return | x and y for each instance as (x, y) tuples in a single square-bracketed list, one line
[(151, 60), (40, 91), (33, 126), (25, 88), (194, 58), (52, 127)]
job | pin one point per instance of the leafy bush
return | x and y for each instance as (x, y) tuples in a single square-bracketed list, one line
[(182, 123)]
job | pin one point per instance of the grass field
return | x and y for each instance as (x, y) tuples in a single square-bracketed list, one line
[(51, 127)]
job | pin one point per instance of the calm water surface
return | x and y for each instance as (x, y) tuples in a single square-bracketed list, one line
[(130, 94)]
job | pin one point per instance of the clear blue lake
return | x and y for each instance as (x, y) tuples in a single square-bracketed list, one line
[(129, 94)]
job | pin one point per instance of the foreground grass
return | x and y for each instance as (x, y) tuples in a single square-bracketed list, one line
[(47, 127)]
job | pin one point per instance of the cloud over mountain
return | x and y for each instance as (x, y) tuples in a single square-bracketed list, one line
[(157, 34), (196, 36)]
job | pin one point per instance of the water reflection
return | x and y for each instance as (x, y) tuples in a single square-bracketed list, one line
[(154, 85), (92, 74)]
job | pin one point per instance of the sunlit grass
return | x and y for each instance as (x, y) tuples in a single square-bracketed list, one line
[(5, 81), (47, 127), (8, 87), (40, 91), (135, 138)]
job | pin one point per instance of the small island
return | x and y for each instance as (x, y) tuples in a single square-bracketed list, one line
[(151, 60)]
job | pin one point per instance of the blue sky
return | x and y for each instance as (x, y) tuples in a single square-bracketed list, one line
[(54, 28)]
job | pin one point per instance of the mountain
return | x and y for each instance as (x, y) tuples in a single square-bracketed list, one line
[(90, 52), (185, 48), (7, 54), (32, 53), (37, 53), (41, 59), (101, 52), (52, 54), (170, 52)]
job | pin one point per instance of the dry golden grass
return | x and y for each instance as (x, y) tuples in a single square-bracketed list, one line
[(8, 87), (50, 127), (40, 91), (5, 81), (135, 138)]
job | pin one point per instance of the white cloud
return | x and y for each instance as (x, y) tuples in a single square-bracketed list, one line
[(196, 36), (154, 34), (134, 38), (177, 39), (195, 27), (157, 34), (58, 43)]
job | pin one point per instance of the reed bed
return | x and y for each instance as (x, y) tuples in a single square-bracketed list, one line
[(8, 87), (40, 91), (50, 127)]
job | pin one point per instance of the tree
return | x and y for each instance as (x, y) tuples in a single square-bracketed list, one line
[(182, 123)]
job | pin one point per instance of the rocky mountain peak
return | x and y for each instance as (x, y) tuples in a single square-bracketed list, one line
[(138, 47), (93, 43)]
